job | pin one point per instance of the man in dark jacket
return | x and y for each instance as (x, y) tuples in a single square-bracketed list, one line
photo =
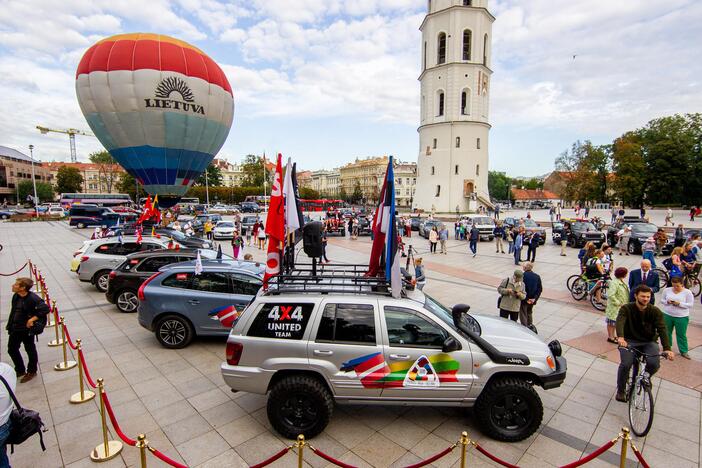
[(27, 308), (534, 242), (474, 238), (639, 326), (533, 289), (644, 275)]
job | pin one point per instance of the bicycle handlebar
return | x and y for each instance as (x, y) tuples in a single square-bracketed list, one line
[(641, 353)]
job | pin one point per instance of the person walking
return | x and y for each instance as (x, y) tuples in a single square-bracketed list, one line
[(207, 228), (510, 233), (693, 211), (419, 275), (624, 238), (533, 290), (254, 232), (497, 211), (646, 276), (6, 407), (558, 212), (617, 296), (674, 264), (614, 215), (551, 213), (511, 295), (534, 242), (587, 210), (677, 301), (443, 237), (661, 239), (237, 244), (679, 236), (648, 250), (668, 217), (323, 258), (27, 309), (474, 238), (499, 233), (518, 243), (261, 237), (433, 239), (642, 212)]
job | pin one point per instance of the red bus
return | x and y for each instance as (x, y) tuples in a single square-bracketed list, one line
[(322, 205)]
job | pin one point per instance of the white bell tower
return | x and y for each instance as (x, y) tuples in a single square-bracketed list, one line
[(452, 170)]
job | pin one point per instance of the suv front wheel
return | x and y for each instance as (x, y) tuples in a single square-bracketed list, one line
[(509, 409), (299, 404), (174, 332)]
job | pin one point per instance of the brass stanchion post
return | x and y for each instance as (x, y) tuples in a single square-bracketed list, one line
[(109, 449), (141, 444), (40, 287), (57, 341), (300, 446), (464, 446), (83, 395), (66, 364), (625, 442)]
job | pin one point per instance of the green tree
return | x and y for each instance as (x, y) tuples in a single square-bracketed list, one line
[(357, 194), (534, 183), (588, 168), (214, 177), (45, 191), (69, 180), (253, 170), (629, 167), (108, 169), (499, 185), (128, 184), (307, 193), (342, 194)]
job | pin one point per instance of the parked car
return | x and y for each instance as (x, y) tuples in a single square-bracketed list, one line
[(530, 226), (415, 223), (224, 230), (102, 255), (308, 351), (578, 232), (75, 261), (485, 225), (557, 232), (639, 233), (56, 211), (199, 221), (190, 242), (124, 281), (218, 209), (247, 223), (426, 226), (178, 305), (87, 215), (250, 207), (6, 213)]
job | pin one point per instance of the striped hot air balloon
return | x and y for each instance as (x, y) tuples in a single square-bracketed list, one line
[(159, 105)]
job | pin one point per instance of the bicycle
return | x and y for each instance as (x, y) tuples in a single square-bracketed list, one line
[(638, 393), (691, 280), (583, 286)]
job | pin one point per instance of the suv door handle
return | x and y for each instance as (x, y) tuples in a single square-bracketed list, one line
[(322, 352), (398, 357), (194, 301)]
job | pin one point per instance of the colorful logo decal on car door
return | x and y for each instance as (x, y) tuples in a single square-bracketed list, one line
[(430, 371)]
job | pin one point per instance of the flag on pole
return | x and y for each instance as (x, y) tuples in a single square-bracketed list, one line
[(146, 210), (296, 190), (292, 216), (275, 225), (198, 264)]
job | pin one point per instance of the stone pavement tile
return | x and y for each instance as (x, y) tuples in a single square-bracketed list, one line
[(674, 444), (404, 433), (407, 459), (240, 430), (379, 451), (148, 387), (607, 378), (581, 412), (223, 414), (656, 457), (228, 459), (550, 400), (86, 462), (161, 398), (375, 417), (326, 444), (172, 413), (667, 425), (552, 451), (571, 426), (352, 459), (185, 374), (348, 432), (530, 461), (589, 399), (260, 448), (69, 412), (596, 388), (688, 401), (430, 418), (208, 399), (137, 376), (134, 418), (194, 387), (506, 451), (180, 431), (432, 444), (158, 440), (673, 387), (249, 402), (675, 411), (199, 449)]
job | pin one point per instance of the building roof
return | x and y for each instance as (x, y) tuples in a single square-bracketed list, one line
[(535, 194), (12, 153)]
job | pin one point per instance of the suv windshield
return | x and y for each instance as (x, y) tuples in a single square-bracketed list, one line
[(530, 223), (177, 235), (248, 219), (644, 229), (584, 227), (225, 224), (482, 220), (442, 313)]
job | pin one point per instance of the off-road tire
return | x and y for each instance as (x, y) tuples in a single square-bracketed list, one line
[(300, 387), (101, 279), (168, 331), (495, 395)]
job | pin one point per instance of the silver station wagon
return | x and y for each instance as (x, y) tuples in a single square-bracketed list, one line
[(311, 344)]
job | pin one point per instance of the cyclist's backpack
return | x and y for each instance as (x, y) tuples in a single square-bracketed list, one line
[(591, 270), (668, 264)]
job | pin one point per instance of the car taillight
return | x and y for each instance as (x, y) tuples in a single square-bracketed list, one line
[(84, 259), (113, 274), (234, 351), (140, 293)]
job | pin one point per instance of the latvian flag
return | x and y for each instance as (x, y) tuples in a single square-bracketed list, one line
[(227, 315), (370, 369)]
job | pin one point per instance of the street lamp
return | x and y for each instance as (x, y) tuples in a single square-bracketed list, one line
[(34, 181)]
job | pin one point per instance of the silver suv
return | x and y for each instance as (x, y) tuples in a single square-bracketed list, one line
[(360, 345)]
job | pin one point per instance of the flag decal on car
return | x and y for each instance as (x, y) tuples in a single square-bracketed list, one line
[(374, 372), (227, 315)]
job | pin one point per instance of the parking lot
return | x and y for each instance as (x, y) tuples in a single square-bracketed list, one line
[(179, 400)]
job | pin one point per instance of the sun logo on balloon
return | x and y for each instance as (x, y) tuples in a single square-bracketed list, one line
[(174, 84)]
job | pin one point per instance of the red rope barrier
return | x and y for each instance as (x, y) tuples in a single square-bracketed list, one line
[(441, 454), (593, 455), (68, 337), (12, 274), (118, 430), (164, 458), (85, 369), (329, 458), (639, 455), (271, 459), (493, 457)]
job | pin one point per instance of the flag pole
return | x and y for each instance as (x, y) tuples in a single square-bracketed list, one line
[(264, 182)]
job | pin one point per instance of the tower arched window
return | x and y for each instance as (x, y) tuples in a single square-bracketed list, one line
[(467, 44), (485, 51), (441, 49), (465, 101), (424, 57), (467, 2), (440, 110)]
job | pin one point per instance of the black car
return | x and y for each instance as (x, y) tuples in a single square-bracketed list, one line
[(124, 281), (618, 225), (364, 226), (414, 223), (427, 226), (580, 232), (530, 226), (199, 221), (557, 231), (642, 231), (190, 242), (250, 207)]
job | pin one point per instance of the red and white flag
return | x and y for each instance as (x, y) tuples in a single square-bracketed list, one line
[(275, 225)]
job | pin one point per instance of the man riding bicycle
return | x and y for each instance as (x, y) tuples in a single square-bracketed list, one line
[(639, 325)]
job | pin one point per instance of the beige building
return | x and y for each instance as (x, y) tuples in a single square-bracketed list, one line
[(232, 174), (405, 182), (16, 167), (326, 183), (97, 178), (369, 174)]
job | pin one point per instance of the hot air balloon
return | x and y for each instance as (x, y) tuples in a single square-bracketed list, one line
[(159, 105)]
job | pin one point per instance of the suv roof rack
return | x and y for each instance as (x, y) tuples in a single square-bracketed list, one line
[(328, 279)]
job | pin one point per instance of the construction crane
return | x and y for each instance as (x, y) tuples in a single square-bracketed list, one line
[(71, 132)]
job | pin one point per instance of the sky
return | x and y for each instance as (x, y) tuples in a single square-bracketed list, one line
[(327, 81)]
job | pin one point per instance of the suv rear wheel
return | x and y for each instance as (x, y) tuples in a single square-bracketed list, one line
[(101, 280), (127, 301), (299, 404), (509, 409), (174, 332)]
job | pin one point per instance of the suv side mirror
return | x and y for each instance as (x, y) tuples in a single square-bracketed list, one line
[(450, 345)]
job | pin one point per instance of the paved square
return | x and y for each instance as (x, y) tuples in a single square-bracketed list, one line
[(179, 400)]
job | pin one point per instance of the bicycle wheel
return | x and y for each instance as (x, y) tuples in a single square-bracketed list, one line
[(662, 277), (600, 304), (693, 284), (640, 408), (570, 280), (579, 289)]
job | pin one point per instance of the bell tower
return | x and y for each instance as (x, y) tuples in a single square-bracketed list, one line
[(452, 168)]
